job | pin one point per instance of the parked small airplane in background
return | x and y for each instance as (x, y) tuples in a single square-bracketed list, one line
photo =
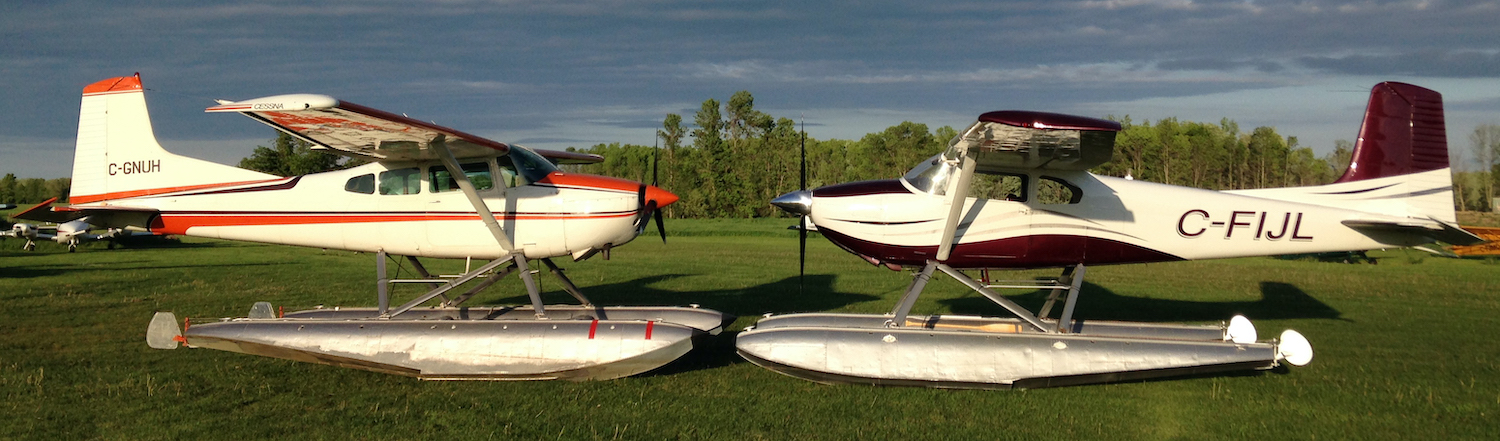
[(430, 191), (1012, 191), (71, 233)]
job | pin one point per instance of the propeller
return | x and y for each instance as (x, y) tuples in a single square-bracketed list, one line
[(649, 210), (800, 203)]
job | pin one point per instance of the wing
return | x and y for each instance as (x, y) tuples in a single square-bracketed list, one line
[(354, 130), (1013, 139)]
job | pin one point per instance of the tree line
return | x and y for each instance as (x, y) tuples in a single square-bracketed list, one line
[(32, 190)]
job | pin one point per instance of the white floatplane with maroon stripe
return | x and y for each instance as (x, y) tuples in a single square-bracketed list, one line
[(1013, 191), (428, 191)]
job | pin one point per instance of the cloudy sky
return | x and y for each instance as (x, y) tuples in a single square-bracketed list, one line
[(553, 74)]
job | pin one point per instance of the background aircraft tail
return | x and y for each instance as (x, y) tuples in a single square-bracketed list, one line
[(1400, 162), (118, 156)]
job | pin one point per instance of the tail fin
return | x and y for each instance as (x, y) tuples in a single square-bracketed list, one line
[(1403, 133), (118, 156), (1400, 163)]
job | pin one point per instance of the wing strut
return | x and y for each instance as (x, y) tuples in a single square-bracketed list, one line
[(956, 198), (440, 146)]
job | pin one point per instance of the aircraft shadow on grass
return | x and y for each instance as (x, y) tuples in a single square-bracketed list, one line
[(1278, 301)]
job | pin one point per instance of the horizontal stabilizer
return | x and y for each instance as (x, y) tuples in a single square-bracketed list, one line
[(43, 212), (1431, 228)]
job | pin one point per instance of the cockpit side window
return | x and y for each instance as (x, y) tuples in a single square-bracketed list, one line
[(361, 184), (508, 176), (1050, 190), (401, 181), (531, 166), (477, 172), (999, 186)]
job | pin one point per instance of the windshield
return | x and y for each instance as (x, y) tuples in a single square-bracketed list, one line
[(529, 164), (931, 176)]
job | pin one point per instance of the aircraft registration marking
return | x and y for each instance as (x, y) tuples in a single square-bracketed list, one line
[(1194, 223), (134, 167)]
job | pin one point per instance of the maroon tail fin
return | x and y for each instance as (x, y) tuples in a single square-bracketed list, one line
[(1403, 133)]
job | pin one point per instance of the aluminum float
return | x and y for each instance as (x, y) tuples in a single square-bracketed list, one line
[(452, 342), (440, 344), (1025, 351)]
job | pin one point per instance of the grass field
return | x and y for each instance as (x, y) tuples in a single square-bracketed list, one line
[(1406, 349)]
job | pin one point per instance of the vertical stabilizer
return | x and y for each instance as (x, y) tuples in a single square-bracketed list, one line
[(1400, 162), (1404, 140), (117, 154), (1403, 133)]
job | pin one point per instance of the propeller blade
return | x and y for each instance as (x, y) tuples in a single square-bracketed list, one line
[(804, 155), (956, 198), (802, 220), (801, 252), (640, 196), (641, 216), (661, 227)]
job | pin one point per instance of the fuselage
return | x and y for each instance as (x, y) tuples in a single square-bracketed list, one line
[(413, 209), (1061, 218)]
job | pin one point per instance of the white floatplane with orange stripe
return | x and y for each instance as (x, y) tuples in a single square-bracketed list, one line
[(1013, 191), (429, 191)]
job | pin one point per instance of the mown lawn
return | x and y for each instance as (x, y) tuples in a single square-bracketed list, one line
[(1405, 349)]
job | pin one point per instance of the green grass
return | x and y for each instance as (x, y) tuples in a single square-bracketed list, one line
[(1405, 349)]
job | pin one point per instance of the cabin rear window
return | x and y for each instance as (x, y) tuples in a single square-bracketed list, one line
[(1050, 190), (998, 186), (361, 184), (401, 181), (478, 173)]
